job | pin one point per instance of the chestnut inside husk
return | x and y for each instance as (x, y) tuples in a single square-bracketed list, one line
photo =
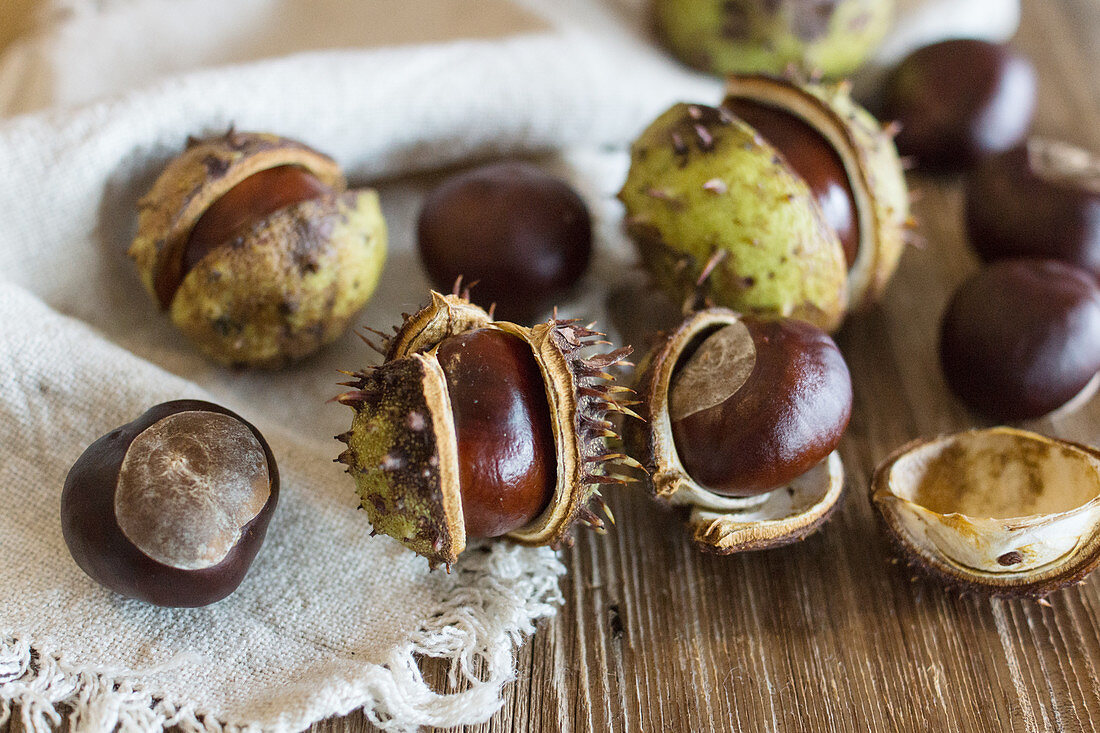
[(474, 427), (786, 200), (742, 419), (257, 249)]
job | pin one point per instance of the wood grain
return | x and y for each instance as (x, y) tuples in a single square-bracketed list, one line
[(830, 635)]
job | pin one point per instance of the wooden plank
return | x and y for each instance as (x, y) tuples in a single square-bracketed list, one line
[(829, 635)]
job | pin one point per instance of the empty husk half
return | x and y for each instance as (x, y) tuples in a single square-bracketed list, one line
[(1000, 510)]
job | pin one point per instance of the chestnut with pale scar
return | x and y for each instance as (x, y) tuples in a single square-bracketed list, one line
[(742, 420), (172, 507)]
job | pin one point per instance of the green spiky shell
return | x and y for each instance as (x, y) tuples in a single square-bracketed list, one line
[(746, 36), (870, 160), (716, 211), (284, 288), (402, 448)]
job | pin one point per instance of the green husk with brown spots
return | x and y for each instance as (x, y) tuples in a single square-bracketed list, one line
[(283, 288), (402, 447)]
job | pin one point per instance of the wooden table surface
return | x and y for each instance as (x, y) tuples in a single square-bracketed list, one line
[(830, 635)]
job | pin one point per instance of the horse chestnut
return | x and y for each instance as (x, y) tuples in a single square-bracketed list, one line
[(506, 464), (472, 427), (257, 249), (812, 157), (1041, 200), (241, 207), (1022, 338), (172, 507), (959, 101), (742, 420), (524, 236), (759, 403)]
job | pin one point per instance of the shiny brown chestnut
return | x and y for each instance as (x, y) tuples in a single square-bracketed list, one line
[(523, 235), (476, 427), (759, 403), (959, 101), (742, 420), (506, 452), (238, 209), (172, 507), (814, 159), (1022, 338), (1041, 200)]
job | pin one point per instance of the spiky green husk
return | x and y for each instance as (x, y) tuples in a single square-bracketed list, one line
[(284, 288), (749, 36), (289, 285), (718, 214), (402, 447), (871, 162)]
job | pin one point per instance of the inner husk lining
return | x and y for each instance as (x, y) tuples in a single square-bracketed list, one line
[(997, 475)]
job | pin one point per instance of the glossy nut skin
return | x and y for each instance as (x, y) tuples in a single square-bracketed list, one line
[(789, 414), (283, 257), (813, 158), (1018, 207), (959, 101), (507, 465), (100, 546), (250, 201), (1021, 338), (524, 236)]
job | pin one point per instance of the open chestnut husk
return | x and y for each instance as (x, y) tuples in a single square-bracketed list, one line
[(742, 420), (172, 507), (786, 200), (1039, 200), (1003, 511), (257, 249), (1021, 338), (472, 427)]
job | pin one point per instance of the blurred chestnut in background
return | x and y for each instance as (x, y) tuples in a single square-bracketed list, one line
[(959, 101), (172, 507), (1041, 200), (524, 236), (1021, 338)]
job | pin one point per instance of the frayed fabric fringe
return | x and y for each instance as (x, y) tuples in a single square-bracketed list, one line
[(493, 599)]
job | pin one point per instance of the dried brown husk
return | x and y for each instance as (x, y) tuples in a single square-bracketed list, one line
[(870, 160), (407, 475), (1001, 511), (719, 524)]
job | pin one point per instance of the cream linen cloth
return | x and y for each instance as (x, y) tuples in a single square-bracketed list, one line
[(328, 620)]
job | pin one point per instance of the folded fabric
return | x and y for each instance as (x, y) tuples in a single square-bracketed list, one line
[(328, 620)]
